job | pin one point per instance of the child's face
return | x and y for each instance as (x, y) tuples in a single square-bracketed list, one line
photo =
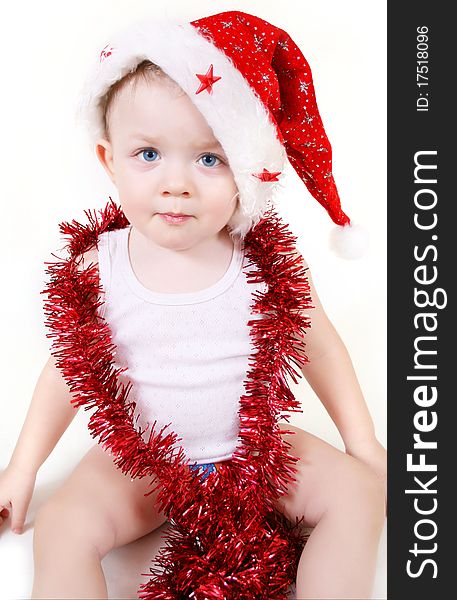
[(163, 157)]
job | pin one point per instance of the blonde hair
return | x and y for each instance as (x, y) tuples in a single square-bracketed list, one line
[(149, 72)]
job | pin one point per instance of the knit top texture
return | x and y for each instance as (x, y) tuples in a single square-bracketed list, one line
[(187, 354)]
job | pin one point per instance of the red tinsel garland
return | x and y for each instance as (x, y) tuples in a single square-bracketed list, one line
[(226, 541)]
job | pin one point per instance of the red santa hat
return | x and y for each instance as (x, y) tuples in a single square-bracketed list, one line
[(254, 87)]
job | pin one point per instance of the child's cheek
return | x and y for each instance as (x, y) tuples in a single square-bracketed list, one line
[(224, 190), (219, 177), (135, 190)]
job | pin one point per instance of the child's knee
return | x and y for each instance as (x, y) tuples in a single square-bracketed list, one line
[(64, 526), (362, 494)]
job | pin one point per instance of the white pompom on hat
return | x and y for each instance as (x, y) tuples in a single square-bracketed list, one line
[(254, 87), (349, 241)]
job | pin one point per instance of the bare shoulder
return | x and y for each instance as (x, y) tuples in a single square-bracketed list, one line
[(301, 260), (87, 258), (297, 254), (321, 335)]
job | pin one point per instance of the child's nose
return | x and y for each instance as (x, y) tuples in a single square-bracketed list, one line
[(176, 191), (176, 181)]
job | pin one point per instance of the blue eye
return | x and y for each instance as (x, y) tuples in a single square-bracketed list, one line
[(209, 160), (149, 155)]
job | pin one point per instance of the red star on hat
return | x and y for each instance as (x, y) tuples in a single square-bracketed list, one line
[(107, 51), (265, 175), (207, 81)]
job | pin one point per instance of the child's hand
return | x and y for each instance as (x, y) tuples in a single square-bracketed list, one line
[(16, 489), (372, 453)]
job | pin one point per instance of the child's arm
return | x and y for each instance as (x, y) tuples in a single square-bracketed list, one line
[(331, 375), (50, 411), (49, 415)]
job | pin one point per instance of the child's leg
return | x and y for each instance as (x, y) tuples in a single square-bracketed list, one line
[(97, 509), (344, 502)]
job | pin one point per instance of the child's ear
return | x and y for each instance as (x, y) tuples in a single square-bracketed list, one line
[(104, 152)]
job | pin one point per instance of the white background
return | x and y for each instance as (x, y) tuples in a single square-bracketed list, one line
[(49, 174)]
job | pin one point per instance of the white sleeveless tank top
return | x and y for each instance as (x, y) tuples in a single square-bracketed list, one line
[(187, 354)]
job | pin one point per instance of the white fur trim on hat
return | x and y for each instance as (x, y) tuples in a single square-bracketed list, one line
[(238, 118)]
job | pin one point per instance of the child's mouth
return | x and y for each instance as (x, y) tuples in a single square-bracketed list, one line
[(174, 219)]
